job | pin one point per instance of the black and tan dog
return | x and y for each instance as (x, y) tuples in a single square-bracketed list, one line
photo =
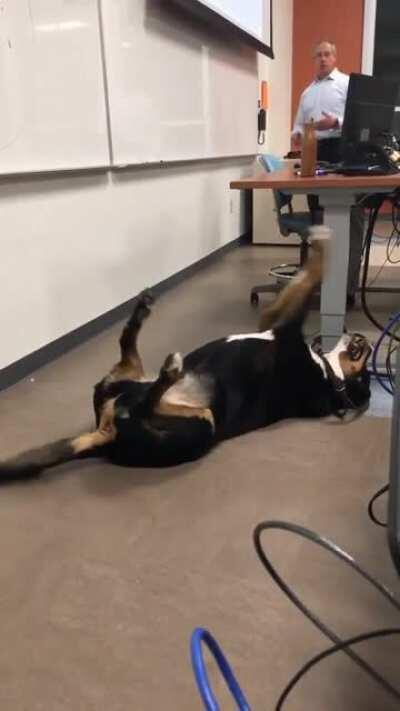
[(223, 389)]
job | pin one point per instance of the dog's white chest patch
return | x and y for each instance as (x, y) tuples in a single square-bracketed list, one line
[(263, 336), (333, 358), (316, 358), (192, 391)]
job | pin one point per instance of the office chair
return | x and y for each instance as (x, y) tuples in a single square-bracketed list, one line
[(289, 222)]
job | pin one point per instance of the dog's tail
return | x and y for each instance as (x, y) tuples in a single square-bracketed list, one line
[(32, 463), (291, 304)]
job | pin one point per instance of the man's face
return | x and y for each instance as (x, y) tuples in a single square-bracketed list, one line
[(325, 60)]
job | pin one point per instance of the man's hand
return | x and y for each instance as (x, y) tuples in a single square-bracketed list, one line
[(326, 123)]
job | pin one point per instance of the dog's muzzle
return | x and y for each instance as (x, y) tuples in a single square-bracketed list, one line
[(358, 347)]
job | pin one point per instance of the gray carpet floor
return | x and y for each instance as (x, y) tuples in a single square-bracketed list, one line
[(104, 572)]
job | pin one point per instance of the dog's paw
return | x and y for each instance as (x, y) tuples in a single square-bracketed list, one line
[(146, 297), (144, 302), (173, 367), (320, 237)]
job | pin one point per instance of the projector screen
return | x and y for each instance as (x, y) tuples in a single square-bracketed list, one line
[(251, 20)]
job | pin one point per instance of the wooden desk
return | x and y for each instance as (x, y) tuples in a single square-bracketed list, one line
[(337, 195)]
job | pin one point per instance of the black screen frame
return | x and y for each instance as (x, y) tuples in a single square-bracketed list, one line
[(211, 17), (367, 91)]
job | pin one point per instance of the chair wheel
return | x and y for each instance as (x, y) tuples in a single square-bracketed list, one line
[(254, 299)]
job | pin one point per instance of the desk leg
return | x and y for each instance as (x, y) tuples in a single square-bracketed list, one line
[(334, 285)]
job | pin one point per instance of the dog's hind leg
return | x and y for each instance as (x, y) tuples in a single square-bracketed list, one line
[(170, 373), (292, 303), (172, 409), (30, 464), (130, 364)]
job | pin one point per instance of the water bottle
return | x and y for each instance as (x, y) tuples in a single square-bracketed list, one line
[(309, 151)]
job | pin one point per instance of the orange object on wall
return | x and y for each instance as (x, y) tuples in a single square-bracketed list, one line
[(341, 22), (264, 95)]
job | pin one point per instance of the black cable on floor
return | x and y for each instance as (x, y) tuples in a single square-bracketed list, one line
[(341, 554), (394, 239), (368, 240), (371, 512), (374, 211), (386, 632), (392, 348)]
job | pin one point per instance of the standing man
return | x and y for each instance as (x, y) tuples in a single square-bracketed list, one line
[(324, 101)]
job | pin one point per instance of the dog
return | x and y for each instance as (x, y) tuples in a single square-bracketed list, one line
[(223, 389)]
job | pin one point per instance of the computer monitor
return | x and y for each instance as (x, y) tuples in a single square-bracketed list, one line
[(394, 474), (369, 112)]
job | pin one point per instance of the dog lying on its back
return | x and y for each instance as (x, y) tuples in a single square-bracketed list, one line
[(222, 389)]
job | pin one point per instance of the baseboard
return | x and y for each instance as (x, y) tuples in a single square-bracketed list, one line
[(285, 245), (14, 372)]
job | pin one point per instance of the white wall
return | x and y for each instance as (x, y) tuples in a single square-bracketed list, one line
[(75, 247), (279, 76), (368, 48)]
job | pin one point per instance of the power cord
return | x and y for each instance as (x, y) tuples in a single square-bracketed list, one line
[(202, 636), (388, 330), (394, 239), (340, 647), (338, 644), (368, 240), (371, 512)]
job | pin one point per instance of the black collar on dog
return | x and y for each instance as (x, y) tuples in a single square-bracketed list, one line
[(339, 387)]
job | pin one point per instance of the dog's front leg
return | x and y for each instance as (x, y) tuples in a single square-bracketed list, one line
[(130, 365)]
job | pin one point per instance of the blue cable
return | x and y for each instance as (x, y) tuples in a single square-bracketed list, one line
[(200, 635), (385, 332)]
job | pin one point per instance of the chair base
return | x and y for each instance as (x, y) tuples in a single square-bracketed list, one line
[(275, 289), (282, 273), (264, 289)]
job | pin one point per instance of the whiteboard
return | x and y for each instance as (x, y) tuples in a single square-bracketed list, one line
[(252, 16), (177, 90), (53, 109)]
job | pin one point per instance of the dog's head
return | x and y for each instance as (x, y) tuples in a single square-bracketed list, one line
[(348, 364), (128, 396)]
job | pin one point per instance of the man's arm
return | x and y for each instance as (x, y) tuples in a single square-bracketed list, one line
[(328, 122), (335, 121), (341, 110), (340, 118), (297, 132), (299, 120)]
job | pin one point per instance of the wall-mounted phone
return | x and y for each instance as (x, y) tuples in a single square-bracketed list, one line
[(262, 113)]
